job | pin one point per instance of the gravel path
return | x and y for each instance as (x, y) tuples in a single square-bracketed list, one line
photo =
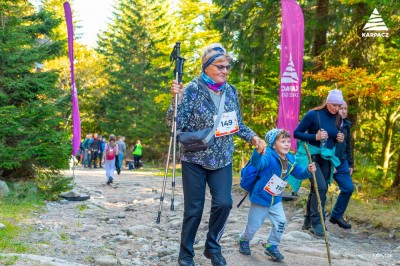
[(117, 227)]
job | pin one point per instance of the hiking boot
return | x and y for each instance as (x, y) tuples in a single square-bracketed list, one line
[(317, 230), (216, 258), (108, 182), (273, 252), (186, 262), (341, 222), (111, 180), (307, 223), (244, 247)]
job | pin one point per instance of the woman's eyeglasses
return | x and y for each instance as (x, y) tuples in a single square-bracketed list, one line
[(221, 67)]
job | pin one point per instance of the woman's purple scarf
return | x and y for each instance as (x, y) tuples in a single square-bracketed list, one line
[(211, 84)]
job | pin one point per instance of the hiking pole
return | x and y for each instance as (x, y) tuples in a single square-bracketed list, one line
[(321, 216), (178, 71)]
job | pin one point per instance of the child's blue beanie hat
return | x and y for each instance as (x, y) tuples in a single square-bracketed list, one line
[(271, 136)]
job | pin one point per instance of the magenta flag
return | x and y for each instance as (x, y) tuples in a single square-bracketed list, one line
[(76, 121), (292, 50)]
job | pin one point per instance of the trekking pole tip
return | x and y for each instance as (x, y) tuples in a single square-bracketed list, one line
[(158, 218)]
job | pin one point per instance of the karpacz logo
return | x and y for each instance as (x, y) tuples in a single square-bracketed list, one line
[(375, 27), (375, 34)]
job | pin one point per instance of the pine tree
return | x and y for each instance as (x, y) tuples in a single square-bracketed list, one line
[(31, 138), (137, 67)]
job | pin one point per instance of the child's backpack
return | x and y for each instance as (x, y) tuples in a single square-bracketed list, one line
[(110, 152), (248, 179)]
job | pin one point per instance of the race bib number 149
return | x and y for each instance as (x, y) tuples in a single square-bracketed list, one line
[(228, 124)]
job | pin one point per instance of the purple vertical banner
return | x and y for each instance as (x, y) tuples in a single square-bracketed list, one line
[(292, 51), (76, 121)]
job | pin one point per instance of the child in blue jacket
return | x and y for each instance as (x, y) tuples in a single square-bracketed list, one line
[(274, 164)]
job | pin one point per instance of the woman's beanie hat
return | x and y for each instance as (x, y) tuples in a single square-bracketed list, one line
[(271, 136), (335, 97)]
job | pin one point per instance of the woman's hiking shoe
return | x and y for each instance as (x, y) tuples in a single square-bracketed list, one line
[(216, 258), (110, 180), (244, 247), (341, 222), (307, 223), (186, 262), (273, 252), (317, 230)]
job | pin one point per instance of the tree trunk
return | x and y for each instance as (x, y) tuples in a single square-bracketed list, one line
[(358, 54), (355, 60), (396, 181), (321, 27), (253, 81), (391, 118)]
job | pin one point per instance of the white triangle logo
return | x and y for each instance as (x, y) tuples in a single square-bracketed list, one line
[(375, 22), (290, 74)]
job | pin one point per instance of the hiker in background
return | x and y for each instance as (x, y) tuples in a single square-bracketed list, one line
[(102, 147), (80, 154), (121, 150), (110, 153), (137, 154), (320, 127), (87, 155), (266, 197), (95, 147), (342, 176), (198, 103)]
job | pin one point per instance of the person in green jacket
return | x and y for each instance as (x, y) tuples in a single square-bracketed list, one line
[(137, 153)]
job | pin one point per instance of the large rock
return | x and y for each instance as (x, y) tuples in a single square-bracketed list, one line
[(107, 261), (4, 190)]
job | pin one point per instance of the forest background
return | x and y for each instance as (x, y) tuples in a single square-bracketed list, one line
[(123, 83)]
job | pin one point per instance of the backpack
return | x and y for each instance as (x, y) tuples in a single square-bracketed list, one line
[(248, 179), (110, 153)]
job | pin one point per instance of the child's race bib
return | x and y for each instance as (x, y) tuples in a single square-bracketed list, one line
[(228, 124), (275, 186)]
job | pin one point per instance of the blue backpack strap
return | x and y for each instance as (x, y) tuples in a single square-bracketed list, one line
[(252, 185)]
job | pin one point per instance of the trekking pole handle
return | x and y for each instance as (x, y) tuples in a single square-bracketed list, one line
[(179, 61)]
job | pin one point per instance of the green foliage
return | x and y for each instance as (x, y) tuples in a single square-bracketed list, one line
[(124, 87), (137, 67), (82, 207), (8, 260), (52, 183), (30, 115), (22, 200)]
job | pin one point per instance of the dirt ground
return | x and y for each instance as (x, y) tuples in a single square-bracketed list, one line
[(117, 226)]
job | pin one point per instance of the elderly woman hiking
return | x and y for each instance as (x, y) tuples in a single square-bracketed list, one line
[(198, 104)]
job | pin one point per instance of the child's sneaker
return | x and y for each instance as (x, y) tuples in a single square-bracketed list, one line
[(273, 252), (244, 246)]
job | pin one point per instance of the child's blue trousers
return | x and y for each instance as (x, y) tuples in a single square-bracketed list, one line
[(256, 217)]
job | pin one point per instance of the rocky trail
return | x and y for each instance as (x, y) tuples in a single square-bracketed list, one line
[(117, 226)]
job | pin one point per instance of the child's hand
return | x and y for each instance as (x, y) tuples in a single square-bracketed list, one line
[(312, 168), (261, 146)]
